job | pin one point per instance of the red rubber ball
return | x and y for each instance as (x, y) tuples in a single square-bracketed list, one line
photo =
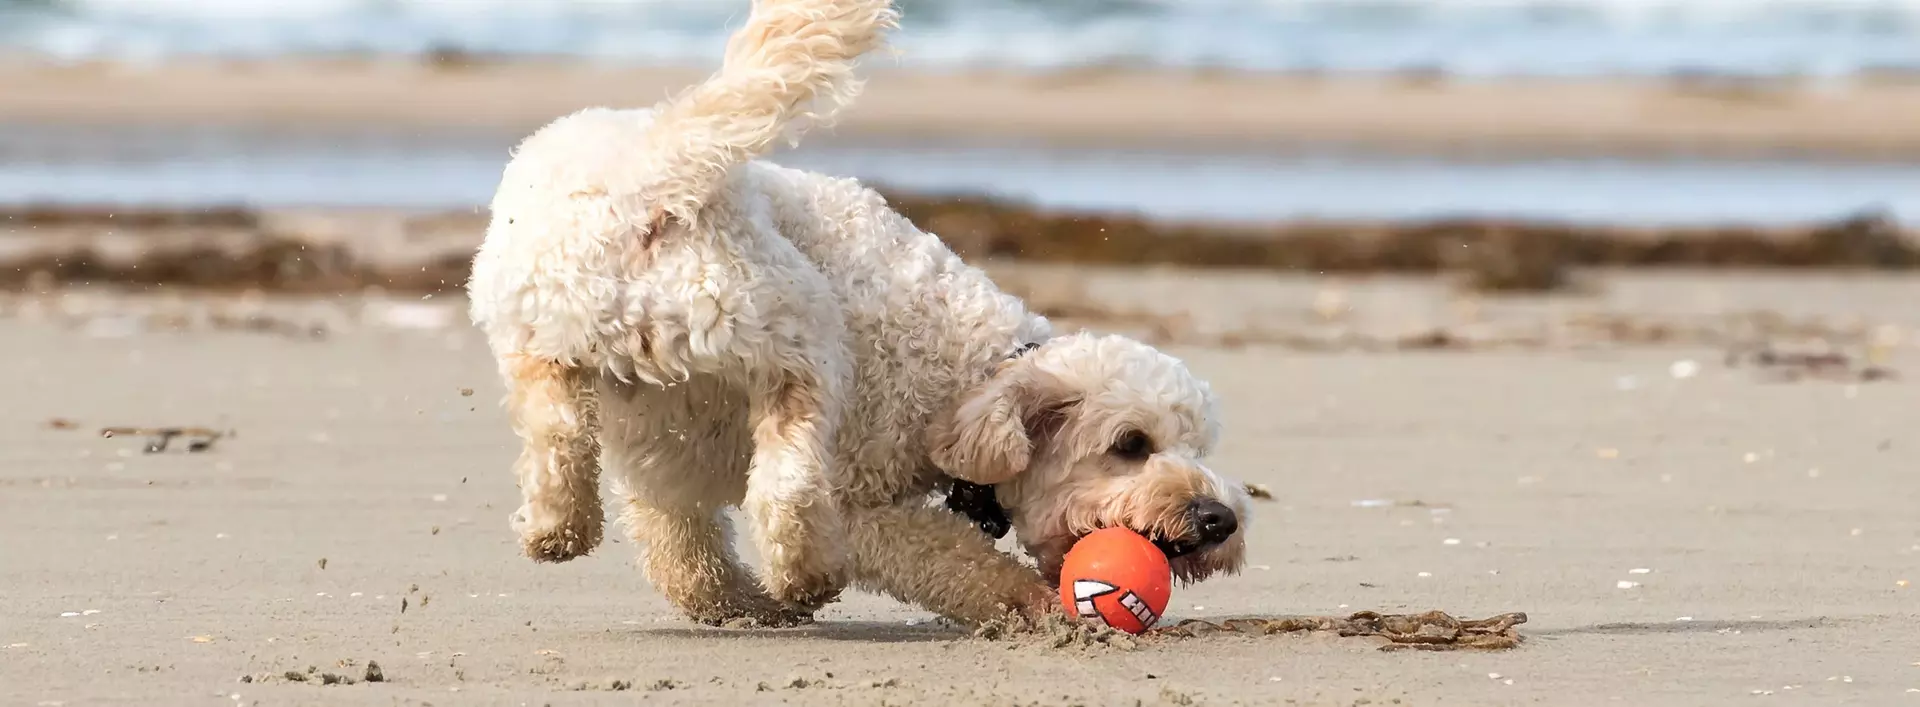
[(1116, 576)]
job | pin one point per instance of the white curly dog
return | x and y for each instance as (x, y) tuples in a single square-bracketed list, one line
[(717, 331)]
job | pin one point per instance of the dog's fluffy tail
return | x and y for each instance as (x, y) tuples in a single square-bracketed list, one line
[(792, 64)]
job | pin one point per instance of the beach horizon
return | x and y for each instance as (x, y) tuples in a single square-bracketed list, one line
[(1865, 119)]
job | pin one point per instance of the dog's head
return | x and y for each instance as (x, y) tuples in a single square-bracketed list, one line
[(1089, 432)]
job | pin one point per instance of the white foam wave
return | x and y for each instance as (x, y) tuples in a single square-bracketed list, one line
[(1476, 37)]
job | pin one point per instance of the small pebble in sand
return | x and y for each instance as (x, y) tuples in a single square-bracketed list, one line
[(466, 392), (1624, 584), (1639, 570), (323, 563), (1901, 583), (1425, 574), (1450, 541)]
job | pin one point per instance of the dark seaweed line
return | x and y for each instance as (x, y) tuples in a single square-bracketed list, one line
[(239, 248)]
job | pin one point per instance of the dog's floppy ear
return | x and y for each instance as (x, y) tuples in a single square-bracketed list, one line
[(984, 438), (989, 435)]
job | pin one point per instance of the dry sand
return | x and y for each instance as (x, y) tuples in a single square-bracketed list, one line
[(1768, 529), (1875, 118)]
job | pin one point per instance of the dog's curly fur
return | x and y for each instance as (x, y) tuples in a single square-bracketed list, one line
[(718, 331)]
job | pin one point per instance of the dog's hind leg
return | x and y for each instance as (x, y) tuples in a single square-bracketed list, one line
[(789, 497), (678, 456), (553, 410)]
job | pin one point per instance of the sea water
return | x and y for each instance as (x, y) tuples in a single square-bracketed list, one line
[(166, 167), (1817, 38)]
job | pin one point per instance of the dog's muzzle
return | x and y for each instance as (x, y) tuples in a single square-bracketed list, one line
[(1212, 522)]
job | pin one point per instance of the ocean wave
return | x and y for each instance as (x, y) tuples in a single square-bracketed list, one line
[(1462, 37)]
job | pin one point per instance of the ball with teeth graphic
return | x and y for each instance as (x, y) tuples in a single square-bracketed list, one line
[(1117, 577)]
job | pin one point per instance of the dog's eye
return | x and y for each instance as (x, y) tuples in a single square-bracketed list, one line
[(1132, 445)]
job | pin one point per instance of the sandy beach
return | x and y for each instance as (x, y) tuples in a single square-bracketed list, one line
[(1679, 531), (1866, 119), (1667, 417)]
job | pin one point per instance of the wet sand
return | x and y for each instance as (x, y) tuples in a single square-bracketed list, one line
[(1764, 531), (1876, 118)]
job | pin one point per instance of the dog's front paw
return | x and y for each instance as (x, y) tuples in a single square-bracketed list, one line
[(571, 537), (1035, 603)]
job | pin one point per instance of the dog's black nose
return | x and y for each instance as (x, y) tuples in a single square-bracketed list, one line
[(1214, 520)]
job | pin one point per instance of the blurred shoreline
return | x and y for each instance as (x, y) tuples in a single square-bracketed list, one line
[(343, 175), (185, 166), (1872, 119)]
